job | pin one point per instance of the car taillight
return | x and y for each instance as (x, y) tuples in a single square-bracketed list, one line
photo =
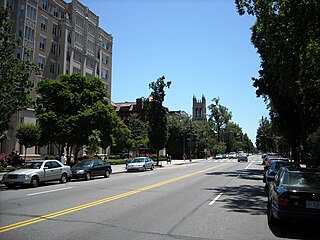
[(269, 162), (283, 202)]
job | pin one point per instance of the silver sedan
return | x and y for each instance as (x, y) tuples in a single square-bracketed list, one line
[(141, 164), (35, 172)]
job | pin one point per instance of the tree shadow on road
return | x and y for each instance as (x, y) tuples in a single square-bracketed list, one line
[(243, 199)]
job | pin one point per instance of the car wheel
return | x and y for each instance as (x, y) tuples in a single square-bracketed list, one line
[(34, 181), (144, 169), (64, 178), (266, 188), (107, 174), (152, 167), (87, 176)]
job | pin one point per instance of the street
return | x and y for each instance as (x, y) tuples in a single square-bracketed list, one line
[(205, 199)]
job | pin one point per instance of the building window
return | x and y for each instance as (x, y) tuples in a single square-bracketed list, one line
[(42, 43), (55, 11), (106, 44), (31, 12), (54, 29), (105, 59), (54, 48), (104, 73), (69, 37), (10, 6), (43, 24), (45, 5), (29, 34), (41, 62)]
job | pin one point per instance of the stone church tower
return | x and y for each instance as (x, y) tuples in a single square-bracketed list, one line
[(199, 109)]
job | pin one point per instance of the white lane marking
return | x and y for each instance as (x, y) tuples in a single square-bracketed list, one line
[(144, 174), (248, 165), (55, 190), (215, 199)]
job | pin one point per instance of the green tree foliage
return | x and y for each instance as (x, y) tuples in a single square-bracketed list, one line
[(121, 136), (15, 85), (287, 36), (139, 132), (28, 135), (70, 108), (157, 115), (220, 116), (93, 144)]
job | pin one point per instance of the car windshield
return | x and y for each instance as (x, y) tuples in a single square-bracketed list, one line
[(303, 179), (32, 165), (138, 160), (83, 163)]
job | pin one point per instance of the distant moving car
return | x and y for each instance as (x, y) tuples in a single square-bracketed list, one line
[(242, 157), (294, 195), (38, 171), (273, 169), (140, 164), (89, 168)]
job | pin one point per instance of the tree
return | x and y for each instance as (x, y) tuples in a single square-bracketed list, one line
[(70, 108), (15, 85), (93, 144), (28, 135), (219, 115), (287, 37), (157, 115), (139, 131)]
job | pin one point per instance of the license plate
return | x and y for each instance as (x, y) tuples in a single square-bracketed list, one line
[(313, 204)]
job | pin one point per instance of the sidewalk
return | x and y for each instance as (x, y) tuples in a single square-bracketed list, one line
[(121, 168)]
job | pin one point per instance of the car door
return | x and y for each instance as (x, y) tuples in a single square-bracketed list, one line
[(57, 170), (96, 168), (48, 171)]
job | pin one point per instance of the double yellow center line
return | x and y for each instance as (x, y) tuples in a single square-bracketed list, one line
[(98, 202)]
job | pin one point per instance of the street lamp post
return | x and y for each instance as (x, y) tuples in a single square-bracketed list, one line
[(190, 140)]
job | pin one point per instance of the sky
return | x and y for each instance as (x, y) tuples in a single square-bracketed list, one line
[(202, 46)]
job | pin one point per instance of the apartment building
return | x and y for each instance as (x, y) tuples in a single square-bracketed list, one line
[(62, 38)]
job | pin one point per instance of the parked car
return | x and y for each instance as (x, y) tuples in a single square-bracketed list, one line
[(38, 171), (232, 155), (267, 166), (89, 168), (140, 164), (219, 156), (273, 169), (295, 195), (269, 156), (242, 157)]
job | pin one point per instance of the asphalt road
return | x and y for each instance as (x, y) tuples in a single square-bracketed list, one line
[(206, 199)]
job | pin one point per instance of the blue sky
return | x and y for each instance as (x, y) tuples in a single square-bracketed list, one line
[(202, 46)]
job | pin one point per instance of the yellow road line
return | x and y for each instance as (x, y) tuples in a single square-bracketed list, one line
[(98, 202)]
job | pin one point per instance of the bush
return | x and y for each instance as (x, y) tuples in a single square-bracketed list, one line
[(116, 161), (5, 159), (51, 157)]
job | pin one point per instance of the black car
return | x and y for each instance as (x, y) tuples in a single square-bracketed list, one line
[(90, 168), (294, 195), (268, 163), (274, 168)]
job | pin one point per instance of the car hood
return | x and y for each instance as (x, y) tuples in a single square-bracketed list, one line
[(24, 171), (135, 164), (79, 168)]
